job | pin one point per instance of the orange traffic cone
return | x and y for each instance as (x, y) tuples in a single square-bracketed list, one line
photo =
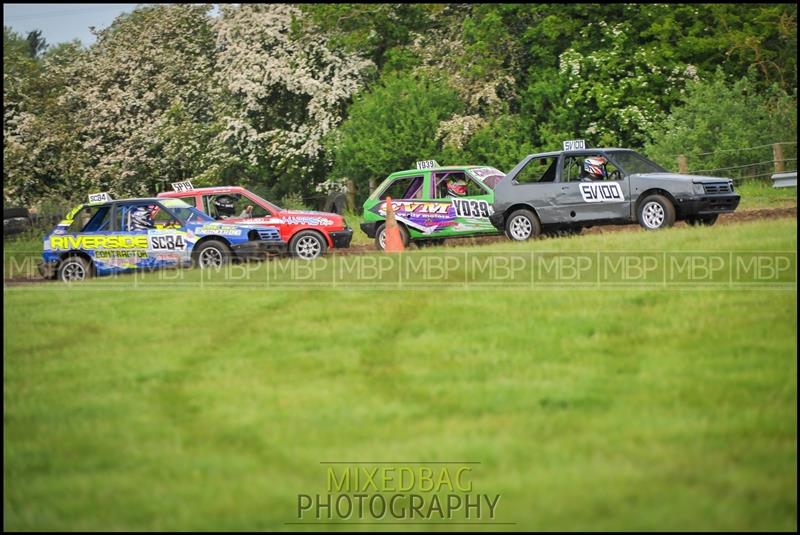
[(394, 242)]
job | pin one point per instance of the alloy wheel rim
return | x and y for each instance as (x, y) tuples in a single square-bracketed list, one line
[(521, 228), (211, 258), (73, 272), (653, 215), (308, 247)]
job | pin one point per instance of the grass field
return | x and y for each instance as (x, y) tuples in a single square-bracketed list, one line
[(761, 194), (131, 404)]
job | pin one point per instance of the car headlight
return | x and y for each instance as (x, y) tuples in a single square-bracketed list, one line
[(698, 189)]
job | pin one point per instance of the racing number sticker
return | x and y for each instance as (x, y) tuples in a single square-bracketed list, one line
[(471, 208), (166, 242), (602, 192)]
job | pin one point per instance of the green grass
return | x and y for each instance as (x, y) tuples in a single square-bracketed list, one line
[(760, 194), (130, 405), (354, 222)]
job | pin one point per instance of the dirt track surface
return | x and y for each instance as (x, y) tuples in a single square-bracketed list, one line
[(743, 216)]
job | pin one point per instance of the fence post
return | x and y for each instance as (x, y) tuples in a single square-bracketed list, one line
[(683, 165), (351, 194), (777, 157)]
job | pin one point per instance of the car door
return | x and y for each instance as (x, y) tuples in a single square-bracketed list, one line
[(536, 183), (157, 237), (586, 198), (470, 203), (420, 216)]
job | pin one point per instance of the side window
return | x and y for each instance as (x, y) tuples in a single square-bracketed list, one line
[(232, 205), (538, 170), (455, 184), (162, 218), (208, 206), (144, 216), (590, 168), (407, 187), (247, 207), (92, 219)]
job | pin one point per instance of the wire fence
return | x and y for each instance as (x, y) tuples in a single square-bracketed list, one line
[(749, 163)]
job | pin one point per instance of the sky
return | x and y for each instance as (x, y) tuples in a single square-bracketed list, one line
[(60, 23)]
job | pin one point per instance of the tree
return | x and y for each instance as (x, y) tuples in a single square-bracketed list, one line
[(283, 89), (390, 128), (719, 124), (145, 100), (36, 43)]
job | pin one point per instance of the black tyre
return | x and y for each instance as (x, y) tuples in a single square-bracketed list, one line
[(308, 245), (656, 212), (522, 225), (380, 236), (702, 221), (212, 254), (74, 269), (13, 213)]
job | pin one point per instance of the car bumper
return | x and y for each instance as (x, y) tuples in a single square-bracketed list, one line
[(259, 249), (341, 238), (369, 227), (707, 204), (48, 270), (497, 220)]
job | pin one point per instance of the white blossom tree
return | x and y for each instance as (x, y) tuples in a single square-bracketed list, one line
[(145, 99), (285, 88)]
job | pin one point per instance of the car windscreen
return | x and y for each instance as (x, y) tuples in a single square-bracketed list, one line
[(265, 203), (488, 175), (633, 163), (185, 213)]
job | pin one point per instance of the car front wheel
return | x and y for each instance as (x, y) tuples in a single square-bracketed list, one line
[(212, 254), (308, 245), (656, 212)]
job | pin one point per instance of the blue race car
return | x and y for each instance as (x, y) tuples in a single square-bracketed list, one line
[(115, 236)]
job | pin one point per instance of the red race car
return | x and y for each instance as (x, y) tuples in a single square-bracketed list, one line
[(309, 234)]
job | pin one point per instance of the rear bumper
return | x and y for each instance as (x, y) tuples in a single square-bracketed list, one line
[(341, 238), (707, 204), (369, 227), (259, 249)]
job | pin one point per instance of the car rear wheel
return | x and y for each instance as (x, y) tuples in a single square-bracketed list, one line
[(74, 269), (656, 212), (522, 225), (212, 254), (380, 236), (308, 245), (702, 221)]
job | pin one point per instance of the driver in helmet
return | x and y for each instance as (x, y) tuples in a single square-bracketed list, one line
[(593, 168), (140, 218), (224, 207), (456, 187)]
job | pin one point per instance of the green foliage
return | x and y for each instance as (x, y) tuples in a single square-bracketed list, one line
[(390, 128), (718, 124), (167, 93), (500, 143), (293, 201)]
